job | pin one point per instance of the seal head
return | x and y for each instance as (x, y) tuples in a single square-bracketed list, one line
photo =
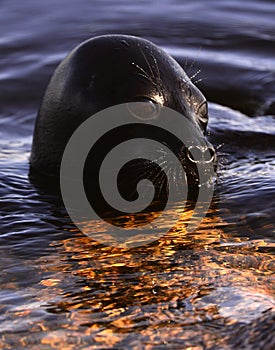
[(102, 72)]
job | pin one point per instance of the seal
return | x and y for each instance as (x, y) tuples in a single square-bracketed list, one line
[(105, 71)]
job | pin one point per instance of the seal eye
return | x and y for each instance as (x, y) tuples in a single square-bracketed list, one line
[(203, 110), (203, 114), (144, 109)]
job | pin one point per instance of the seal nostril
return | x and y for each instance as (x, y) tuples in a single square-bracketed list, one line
[(194, 154), (212, 154), (201, 154)]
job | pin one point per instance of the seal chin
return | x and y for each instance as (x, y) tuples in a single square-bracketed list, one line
[(106, 71)]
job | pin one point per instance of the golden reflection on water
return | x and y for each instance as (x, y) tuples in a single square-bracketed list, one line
[(179, 289)]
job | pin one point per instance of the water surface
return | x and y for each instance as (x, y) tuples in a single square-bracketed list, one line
[(60, 289)]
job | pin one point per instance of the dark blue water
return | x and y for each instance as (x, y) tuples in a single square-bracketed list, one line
[(62, 290)]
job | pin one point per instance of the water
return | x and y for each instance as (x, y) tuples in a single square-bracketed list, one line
[(61, 290)]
